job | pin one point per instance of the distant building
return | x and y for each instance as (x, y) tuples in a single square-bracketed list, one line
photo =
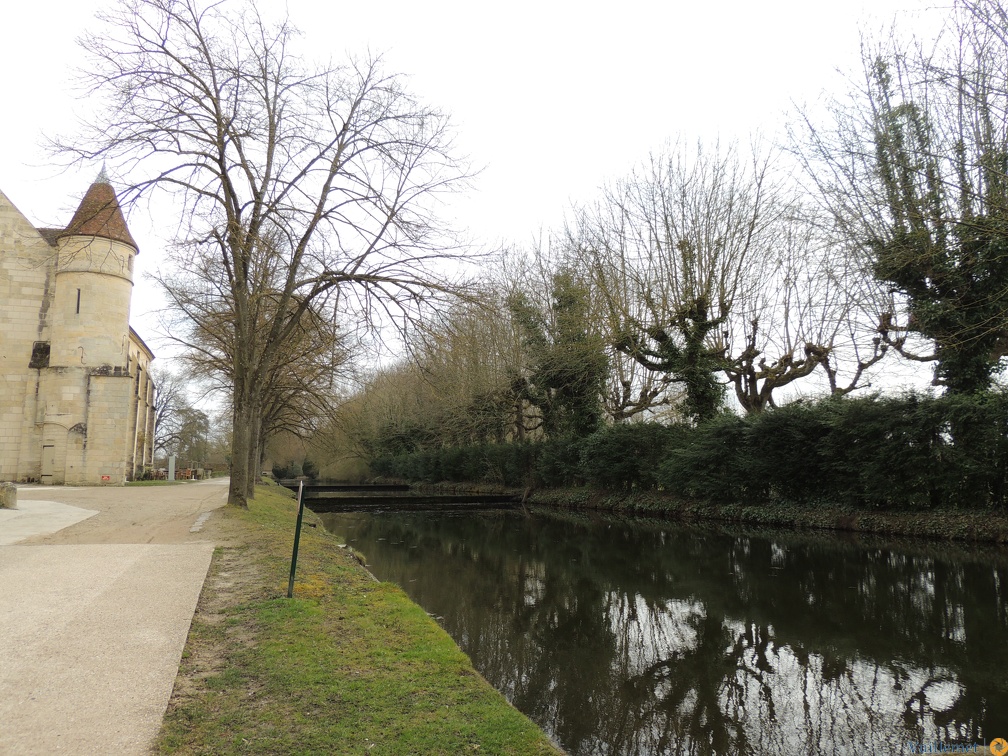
[(76, 398)]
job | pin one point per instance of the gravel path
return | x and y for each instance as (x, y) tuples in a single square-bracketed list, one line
[(95, 614)]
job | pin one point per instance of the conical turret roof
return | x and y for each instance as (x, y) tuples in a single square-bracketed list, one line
[(99, 215)]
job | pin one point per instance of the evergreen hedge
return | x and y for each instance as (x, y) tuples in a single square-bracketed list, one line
[(909, 452)]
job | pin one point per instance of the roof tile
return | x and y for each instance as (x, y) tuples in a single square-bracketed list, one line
[(99, 215)]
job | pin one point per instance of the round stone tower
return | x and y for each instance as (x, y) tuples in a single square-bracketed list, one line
[(94, 283)]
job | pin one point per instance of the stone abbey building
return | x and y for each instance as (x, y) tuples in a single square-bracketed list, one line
[(76, 398)]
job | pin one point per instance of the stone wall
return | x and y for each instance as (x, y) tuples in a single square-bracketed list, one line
[(109, 436), (76, 400), (90, 313), (27, 264), (142, 407)]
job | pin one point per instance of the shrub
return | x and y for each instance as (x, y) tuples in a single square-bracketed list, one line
[(908, 452), (626, 456), (709, 465)]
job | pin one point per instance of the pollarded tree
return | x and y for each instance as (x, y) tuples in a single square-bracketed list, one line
[(807, 315), (914, 168), (704, 264), (631, 388), (302, 178), (568, 365)]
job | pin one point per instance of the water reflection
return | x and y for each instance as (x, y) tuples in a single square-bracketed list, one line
[(633, 639)]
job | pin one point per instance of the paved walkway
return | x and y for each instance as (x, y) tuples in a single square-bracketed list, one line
[(97, 590), (35, 518)]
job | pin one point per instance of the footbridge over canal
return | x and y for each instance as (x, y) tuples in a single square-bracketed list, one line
[(364, 497)]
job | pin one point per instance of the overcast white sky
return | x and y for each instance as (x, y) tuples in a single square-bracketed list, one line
[(550, 98)]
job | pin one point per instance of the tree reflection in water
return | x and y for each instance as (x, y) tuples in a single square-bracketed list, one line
[(625, 638)]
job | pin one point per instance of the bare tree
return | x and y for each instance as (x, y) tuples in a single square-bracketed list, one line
[(300, 180), (171, 401), (702, 260), (912, 163), (806, 314), (471, 357), (629, 389), (303, 390), (302, 386), (632, 389)]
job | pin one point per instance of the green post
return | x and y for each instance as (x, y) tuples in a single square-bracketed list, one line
[(297, 539)]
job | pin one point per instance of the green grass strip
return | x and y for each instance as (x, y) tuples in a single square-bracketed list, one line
[(347, 666)]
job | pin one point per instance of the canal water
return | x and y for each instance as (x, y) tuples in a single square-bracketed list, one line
[(624, 637)]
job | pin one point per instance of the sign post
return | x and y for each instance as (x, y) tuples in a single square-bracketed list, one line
[(297, 539)]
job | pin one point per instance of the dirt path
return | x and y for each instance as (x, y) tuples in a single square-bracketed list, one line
[(141, 514)]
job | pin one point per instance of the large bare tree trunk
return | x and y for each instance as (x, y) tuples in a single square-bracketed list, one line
[(261, 453), (241, 440), (254, 458)]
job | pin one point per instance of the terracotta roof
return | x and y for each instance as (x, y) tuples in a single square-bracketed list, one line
[(99, 215)]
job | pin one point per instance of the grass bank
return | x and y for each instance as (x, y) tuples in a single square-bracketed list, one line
[(941, 524), (349, 665)]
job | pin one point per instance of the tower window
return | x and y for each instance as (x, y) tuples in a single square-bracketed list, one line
[(78, 301), (40, 355)]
